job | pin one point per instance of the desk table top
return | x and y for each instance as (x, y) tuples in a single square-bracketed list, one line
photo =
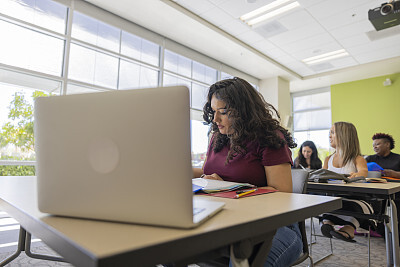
[(100, 243), (369, 188)]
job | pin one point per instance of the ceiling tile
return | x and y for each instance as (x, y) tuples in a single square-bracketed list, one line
[(329, 8), (263, 46), (316, 51), (389, 52), (298, 18), (310, 43), (237, 8), (250, 37), (216, 16), (235, 27), (346, 17), (356, 40), (297, 34), (349, 30), (198, 7)]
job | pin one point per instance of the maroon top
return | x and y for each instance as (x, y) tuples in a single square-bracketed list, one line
[(248, 168)]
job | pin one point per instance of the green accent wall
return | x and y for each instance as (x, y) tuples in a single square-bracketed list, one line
[(371, 107)]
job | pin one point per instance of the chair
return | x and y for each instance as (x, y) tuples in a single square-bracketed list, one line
[(299, 181), (371, 226)]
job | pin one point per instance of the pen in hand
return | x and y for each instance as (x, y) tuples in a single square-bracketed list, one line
[(245, 192)]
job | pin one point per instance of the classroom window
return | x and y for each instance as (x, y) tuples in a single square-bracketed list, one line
[(32, 50), (90, 66), (312, 119), (44, 13), (139, 48), (101, 57), (136, 76), (95, 32)]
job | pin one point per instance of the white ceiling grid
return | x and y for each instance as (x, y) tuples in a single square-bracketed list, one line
[(315, 28)]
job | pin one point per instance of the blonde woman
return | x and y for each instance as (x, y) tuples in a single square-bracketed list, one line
[(346, 159)]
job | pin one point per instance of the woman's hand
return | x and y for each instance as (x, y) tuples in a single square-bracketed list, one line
[(213, 176), (352, 175), (391, 173)]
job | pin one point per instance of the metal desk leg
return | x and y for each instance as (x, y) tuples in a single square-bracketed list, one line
[(24, 244), (38, 256), (395, 233), (20, 247)]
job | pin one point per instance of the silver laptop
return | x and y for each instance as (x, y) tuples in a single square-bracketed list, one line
[(121, 156)]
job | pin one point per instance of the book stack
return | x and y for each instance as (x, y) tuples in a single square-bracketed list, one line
[(215, 186)]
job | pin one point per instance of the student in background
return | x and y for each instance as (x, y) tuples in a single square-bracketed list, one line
[(389, 161), (346, 159), (308, 157), (249, 145)]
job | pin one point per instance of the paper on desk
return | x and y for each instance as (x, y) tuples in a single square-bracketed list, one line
[(212, 186)]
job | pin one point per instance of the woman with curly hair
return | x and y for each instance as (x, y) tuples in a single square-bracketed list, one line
[(249, 145), (308, 157), (389, 161)]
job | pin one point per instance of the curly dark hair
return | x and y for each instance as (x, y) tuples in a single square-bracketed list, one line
[(315, 162), (388, 138), (252, 118)]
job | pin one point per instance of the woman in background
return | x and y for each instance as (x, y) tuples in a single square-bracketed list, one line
[(308, 157), (346, 159), (249, 145)]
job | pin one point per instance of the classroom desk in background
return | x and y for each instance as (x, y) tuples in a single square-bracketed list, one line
[(385, 191), (98, 243)]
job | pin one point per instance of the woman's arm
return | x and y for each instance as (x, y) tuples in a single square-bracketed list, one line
[(361, 166), (197, 172), (279, 177)]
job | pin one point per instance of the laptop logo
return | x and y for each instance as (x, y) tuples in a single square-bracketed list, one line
[(103, 155)]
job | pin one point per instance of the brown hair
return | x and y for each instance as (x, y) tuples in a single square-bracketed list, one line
[(347, 143), (252, 118)]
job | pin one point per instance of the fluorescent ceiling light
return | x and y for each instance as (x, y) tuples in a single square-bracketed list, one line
[(263, 9), (326, 56), (274, 13)]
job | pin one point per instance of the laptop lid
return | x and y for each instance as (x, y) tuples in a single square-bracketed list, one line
[(121, 156)]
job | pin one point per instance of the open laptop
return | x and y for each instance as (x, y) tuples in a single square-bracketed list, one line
[(121, 156)]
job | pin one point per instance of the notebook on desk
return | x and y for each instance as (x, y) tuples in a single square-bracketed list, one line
[(121, 156)]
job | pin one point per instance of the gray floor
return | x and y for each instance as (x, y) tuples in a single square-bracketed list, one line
[(345, 254)]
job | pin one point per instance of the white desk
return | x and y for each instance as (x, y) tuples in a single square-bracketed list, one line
[(98, 243), (380, 190)]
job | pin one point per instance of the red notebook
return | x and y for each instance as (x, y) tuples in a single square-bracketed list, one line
[(232, 194)]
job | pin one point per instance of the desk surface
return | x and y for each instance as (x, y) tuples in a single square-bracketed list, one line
[(366, 188), (99, 243)]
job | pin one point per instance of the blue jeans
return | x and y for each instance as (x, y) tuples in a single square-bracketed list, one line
[(286, 248)]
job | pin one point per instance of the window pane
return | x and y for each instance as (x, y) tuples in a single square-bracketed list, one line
[(45, 13), (78, 89), (23, 80), (140, 49), (31, 50), (203, 73), (93, 31), (16, 123), (225, 76), (199, 96), (178, 64), (170, 80), (312, 120), (199, 135), (93, 67), (320, 138), (321, 100), (135, 76)]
